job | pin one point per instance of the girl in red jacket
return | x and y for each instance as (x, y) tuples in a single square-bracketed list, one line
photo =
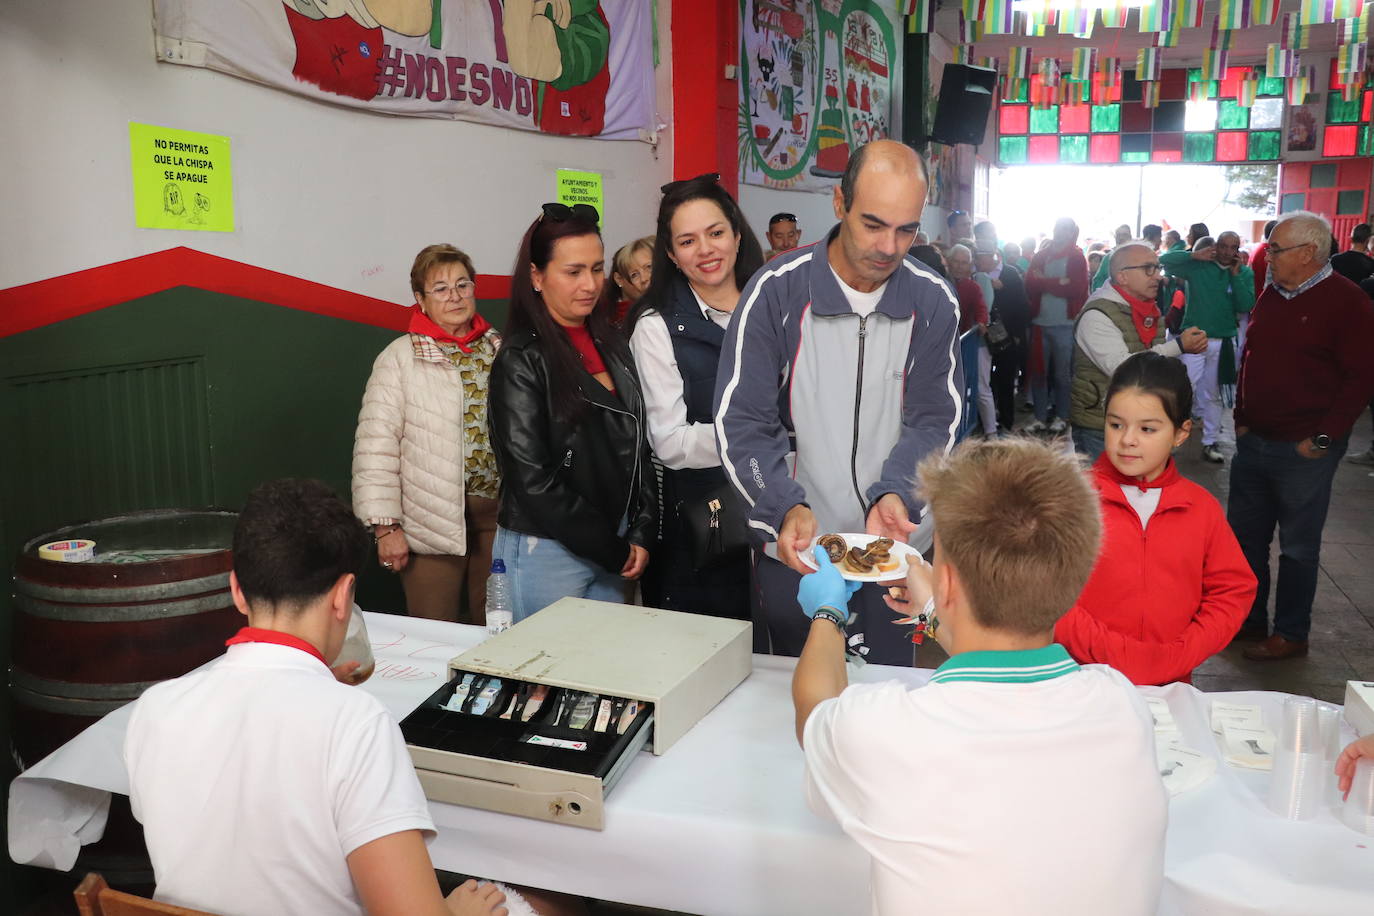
[(1171, 586)]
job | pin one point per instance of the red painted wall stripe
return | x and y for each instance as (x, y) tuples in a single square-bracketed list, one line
[(45, 302)]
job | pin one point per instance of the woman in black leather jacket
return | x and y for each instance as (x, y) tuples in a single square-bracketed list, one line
[(578, 507)]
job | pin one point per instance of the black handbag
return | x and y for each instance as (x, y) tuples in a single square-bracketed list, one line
[(716, 527), (998, 338)]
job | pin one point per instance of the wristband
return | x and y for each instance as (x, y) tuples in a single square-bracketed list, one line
[(832, 615), (377, 538)]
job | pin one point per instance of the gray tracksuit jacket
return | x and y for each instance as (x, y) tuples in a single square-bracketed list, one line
[(863, 399)]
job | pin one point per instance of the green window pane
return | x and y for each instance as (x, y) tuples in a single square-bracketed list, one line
[(1012, 150), (1024, 93), (1264, 144), (1349, 203), (1073, 149), (1230, 116), (1290, 202), (1195, 76), (1135, 157), (1106, 119), (1044, 120), (1271, 85), (1341, 112), (1366, 141), (1199, 147)]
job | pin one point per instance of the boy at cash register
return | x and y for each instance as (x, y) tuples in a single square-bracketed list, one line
[(1015, 774), (263, 784)]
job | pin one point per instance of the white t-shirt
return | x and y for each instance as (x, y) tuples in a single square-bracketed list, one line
[(1144, 502), (255, 777), (1012, 782), (862, 304)]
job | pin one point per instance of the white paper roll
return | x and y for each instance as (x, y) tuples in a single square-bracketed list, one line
[(75, 551)]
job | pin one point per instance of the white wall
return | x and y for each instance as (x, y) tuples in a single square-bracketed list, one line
[(336, 196), (814, 210)]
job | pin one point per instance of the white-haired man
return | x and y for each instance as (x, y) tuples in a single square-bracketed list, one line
[(1305, 378), (1121, 318)]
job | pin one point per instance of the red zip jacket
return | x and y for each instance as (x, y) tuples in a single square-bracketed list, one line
[(1161, 599), (1076, 269)]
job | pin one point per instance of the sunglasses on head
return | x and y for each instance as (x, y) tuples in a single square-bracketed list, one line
[(562, 212), (704, 177), (783, 218)]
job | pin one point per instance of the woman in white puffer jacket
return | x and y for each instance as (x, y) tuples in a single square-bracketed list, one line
[(424, 476)]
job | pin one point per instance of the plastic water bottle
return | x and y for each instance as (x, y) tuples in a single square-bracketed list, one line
[(499, 616)]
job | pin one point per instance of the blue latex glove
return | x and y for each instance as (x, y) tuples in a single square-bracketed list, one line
[(825, 587)]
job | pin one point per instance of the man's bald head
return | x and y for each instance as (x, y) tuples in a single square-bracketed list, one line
[(886, 156), (1134, 267)]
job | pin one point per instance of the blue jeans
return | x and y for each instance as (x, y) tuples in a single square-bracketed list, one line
[(1056, 368), (1271, 484), (541, 571), (1089, 442)]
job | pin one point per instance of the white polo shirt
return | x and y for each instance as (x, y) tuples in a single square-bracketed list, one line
[(1012, 782), (256, 776)]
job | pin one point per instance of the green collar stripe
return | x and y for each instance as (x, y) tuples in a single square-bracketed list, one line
[(1023, 666)]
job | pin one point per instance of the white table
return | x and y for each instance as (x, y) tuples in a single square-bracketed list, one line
[(718, 826)]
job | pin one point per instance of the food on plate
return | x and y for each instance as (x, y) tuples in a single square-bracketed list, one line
[(834, 545), (876, 556)]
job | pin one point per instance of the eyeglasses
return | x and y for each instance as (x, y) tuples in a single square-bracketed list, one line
[(461, 289), (1275, 250), (1150, 269), (704, 177), (562, 212)]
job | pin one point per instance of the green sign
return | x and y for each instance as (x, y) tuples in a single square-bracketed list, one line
[(576, 187), (182, 179)]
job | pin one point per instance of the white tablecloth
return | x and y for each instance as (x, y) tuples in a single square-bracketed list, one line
[(718, 824)]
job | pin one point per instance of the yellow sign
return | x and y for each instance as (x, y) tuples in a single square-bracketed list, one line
[(581, 188), (182, 179)]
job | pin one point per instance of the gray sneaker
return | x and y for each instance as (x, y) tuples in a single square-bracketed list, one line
[(1364, 459), (1058, 426), (1213, 454)]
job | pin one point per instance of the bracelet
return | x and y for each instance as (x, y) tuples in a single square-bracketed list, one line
[(377, 538), (831, 615)]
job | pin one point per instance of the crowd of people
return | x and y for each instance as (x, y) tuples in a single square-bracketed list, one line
[(678, 424)]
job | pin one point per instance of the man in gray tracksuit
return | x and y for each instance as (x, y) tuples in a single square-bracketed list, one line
[(839, 373)]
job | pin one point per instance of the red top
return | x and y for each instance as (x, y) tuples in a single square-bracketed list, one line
[(1075, 268), (586, 348), (1306, 368), (276, 637), (1165, 598), (973, 309), (1259, 263)]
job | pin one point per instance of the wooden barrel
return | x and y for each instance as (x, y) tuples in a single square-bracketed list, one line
[(89, 637)]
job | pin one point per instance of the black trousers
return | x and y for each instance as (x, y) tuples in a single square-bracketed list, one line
[(1006, 367)]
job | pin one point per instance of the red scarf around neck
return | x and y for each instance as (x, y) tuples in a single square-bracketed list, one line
[(1144, 315), (420, 323), (1103, 467), (276, 637)]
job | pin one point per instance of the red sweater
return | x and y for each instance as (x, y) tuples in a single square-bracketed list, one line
[(1307, 367), (1164, 598), (973, 309), (1075, 269), (1259, 264)]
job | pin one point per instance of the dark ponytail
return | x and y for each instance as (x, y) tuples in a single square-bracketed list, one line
[(1162, 376)]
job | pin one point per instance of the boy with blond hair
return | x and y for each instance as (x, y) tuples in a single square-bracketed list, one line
[(1015, 774)]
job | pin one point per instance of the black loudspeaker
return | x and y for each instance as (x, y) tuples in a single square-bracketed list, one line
[(965, 101)]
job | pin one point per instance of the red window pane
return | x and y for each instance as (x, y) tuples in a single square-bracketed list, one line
[(1136, 118), (1365, 108), (1173, 85), (1013, 119), (1231, 146), (1105, 148), (1167, 155), (1044, 149), (1074, 119), (1337, 80), (1230, 86), (1340, 141)]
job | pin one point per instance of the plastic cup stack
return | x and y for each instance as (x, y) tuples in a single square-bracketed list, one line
[(1299, 779), (1358, 813)]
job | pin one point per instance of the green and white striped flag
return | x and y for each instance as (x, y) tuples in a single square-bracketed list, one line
[(1192, 13), (1350, 58), (1082, 68), (1114, 17), (1109, 68), (1018, 62), (1279, 62), (1316, 12), (1149, 94), (1155, 15), (1049, 71), (920, 15), (997, 17), (1248, 90), (1294, 36), (1214, 63), (1233, 14), (1263, 12), (1346, 9), (1147, 64), (1299, 84)]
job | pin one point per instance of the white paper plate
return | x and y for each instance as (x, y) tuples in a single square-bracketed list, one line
[(900, 552)]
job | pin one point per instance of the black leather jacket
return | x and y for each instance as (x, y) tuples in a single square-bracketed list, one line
[(572, 482)]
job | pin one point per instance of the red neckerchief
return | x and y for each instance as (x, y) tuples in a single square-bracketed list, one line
[(1103, 467), (1144, 315), (420, 323), (276, 637), (586, 348)]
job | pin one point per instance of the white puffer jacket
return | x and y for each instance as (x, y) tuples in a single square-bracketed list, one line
[(408, 451)]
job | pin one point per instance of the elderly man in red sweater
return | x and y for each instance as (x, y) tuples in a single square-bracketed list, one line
[(1305, 378)]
